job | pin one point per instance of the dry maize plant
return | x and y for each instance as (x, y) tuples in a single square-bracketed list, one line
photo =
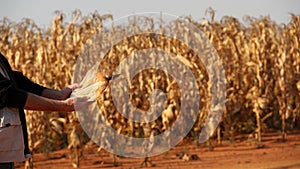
[(261, 60), (146, 81), (47, 56), (262, 70)]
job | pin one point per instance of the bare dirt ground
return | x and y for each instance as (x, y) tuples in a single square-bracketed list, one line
[(243, 154)]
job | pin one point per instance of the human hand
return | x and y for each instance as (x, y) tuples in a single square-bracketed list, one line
[(36, 102), (66, 92), (77, 103)]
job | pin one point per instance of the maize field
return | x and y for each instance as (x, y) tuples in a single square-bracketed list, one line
[(261, 61)]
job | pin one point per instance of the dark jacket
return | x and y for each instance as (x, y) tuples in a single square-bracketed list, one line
[(14, 92)]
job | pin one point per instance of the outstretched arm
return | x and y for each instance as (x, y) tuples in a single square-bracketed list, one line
[(35, 102), (10, 96), (29, 86), (59, 94)]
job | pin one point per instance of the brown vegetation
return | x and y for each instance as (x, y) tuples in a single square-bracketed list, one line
[(261, 60)]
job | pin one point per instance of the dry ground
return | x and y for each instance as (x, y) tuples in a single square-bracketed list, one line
[(275, 155)]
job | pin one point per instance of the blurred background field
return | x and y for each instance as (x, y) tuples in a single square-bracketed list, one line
[(261, 59)]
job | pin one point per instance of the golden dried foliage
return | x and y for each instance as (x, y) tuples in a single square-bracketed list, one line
[(261, 60)]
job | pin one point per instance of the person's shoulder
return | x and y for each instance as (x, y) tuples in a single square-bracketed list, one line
[(3, 58)]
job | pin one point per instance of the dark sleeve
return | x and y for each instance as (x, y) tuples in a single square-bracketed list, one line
[(10, 96), (26, 84)]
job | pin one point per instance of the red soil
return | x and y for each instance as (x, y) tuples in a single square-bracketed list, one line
[(274, 155)]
